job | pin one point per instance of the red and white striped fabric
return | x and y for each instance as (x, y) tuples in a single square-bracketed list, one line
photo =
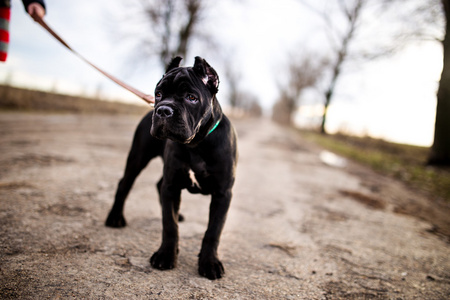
[(5, 14)]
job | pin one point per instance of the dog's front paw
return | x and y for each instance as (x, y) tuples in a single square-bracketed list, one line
[(115, 220), (164, 260), (210, 267)]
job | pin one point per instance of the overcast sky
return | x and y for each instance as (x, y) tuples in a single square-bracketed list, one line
[(392, 98)]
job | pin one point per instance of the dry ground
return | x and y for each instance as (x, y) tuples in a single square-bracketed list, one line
[(297, 228)]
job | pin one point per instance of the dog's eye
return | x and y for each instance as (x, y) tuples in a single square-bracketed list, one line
[(158, 95), (192, 98)]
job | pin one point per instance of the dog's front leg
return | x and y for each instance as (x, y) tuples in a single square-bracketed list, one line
[(166, 257), (209, 264)]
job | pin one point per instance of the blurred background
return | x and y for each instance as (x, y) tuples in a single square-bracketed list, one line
[(363, 67)]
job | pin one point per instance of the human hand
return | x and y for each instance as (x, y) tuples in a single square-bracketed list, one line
[(36, 11)]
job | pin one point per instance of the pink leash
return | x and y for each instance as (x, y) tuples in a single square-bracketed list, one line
[(147, 98)]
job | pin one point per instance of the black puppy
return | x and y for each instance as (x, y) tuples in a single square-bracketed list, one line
[(189, 131)]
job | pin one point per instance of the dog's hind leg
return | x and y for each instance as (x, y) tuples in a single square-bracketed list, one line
[(144, 148)]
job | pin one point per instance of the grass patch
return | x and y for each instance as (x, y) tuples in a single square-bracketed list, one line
[(403, 162)]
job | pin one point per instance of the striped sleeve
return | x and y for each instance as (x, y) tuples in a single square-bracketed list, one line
[(5, 14)]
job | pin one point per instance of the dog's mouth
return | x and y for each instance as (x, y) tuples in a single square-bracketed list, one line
[(174, 128)]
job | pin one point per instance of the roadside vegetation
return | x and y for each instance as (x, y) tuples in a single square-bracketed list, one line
[(18, 99), (403, 162)]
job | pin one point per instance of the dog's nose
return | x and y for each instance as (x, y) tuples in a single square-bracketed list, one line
[(164, 112)]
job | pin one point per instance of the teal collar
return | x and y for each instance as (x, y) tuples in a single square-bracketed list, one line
[(215, 126)]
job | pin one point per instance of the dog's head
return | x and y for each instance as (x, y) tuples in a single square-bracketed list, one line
[(185, 102)]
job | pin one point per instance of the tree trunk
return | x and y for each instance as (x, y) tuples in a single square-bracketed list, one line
[(336, 73), (440, 151), (325, 110), (193, 7)]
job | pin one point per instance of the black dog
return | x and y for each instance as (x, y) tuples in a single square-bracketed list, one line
[(189, 131)]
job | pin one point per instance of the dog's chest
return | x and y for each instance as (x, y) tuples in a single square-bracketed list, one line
[(198, 166), (193, 179), (198, 171)]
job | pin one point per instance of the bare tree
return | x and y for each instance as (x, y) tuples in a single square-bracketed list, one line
[(348, 25), (352, 15), (302, 73), (340, 39), (283, 109), (238, 98), (169, 27), (233, 78), (254, 109), (249, 104)]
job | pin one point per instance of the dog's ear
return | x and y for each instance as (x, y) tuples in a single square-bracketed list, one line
[(174, 63), (207, 74)]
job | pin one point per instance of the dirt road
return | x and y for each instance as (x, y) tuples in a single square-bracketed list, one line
[(297, 228)]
